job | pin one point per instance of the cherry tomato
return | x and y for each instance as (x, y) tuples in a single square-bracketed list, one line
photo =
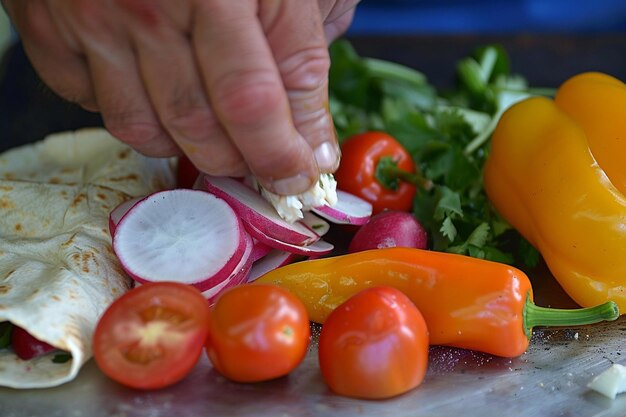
[(257, 332), (186, 172), (361, 155), (374, 345), (153, 335), (27, 346)]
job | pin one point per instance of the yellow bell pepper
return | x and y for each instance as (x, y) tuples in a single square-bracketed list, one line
[(542, 177)]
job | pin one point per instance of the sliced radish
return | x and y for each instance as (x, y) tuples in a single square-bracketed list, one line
[(275, 259), (259, 250), (316, 223), (182, 235), (317, 248), (118, 212), (238, 276), (349, 209), (257, 212)]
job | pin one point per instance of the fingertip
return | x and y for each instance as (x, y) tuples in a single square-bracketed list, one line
[(293, 185), (327, 156)]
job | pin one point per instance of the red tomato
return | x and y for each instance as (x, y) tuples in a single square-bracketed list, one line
[(374, 346), (186, 172), (26, 346), (153, 335), (357, 171), (257, 332)]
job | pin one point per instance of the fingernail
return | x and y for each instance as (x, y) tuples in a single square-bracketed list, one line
[(292, 185), (326, 156)]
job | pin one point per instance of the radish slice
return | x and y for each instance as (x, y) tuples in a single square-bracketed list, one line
[(349, 209), (118, 212), (257, 212), (318, 248), (315, 223), (239, 275), (181, 235), (275, 259), (259, 250)]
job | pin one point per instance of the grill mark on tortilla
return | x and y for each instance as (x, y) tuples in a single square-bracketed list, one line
[(69, 241), (6, 277), (6, 188), (18, 227), (78, 199), (5, 288), (6, 203), (56, 298), (9, 176), (123, 154), (129, 177), (55, 180), (101, 196)]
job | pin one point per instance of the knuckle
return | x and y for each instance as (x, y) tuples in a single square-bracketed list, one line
[(190, 124), (144, 135), (306, 69), (246, 98)]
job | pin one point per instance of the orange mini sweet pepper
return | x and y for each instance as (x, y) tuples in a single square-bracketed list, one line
[(556, 173), (466, 302)]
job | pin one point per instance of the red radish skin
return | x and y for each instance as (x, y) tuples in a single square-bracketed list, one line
[(118, 212), (182, 235), (349, 209), (239, 275), (318, 248), (259, 250), (390, 229), (257, 212)]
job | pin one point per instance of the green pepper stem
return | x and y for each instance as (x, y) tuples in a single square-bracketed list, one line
[(392, 171), (543, 316)]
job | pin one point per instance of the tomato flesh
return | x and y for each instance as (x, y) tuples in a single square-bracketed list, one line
[(153, 335), (374, 345), (257, 332)]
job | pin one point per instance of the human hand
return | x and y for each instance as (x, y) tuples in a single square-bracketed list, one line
[(237, 86)]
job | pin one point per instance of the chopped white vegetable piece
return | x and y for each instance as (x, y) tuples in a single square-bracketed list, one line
[(610, 382)]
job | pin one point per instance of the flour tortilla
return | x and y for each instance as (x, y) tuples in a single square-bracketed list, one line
[(57, 269)]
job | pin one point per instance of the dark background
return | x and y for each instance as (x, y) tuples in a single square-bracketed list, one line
[(548, 41)]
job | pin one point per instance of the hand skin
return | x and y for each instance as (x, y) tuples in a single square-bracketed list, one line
[(238, 86)]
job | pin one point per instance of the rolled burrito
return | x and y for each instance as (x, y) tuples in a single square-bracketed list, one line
[(58, 272)]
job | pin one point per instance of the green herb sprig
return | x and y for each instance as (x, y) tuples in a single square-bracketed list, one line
[(447, 135)]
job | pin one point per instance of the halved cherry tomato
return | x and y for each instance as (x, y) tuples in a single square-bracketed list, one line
[(153, 335), (26, 346), (257, 332), (359, 172), (374, 346)]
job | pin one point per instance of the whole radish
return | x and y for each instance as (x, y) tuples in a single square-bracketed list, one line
[(390, 229)]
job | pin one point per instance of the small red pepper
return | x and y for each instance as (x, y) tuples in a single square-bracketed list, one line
[(377, 168)]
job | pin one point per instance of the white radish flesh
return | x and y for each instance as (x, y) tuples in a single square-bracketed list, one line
[(349, 209), (181, 235), (257, 212), (316, 223), (275, 259)]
